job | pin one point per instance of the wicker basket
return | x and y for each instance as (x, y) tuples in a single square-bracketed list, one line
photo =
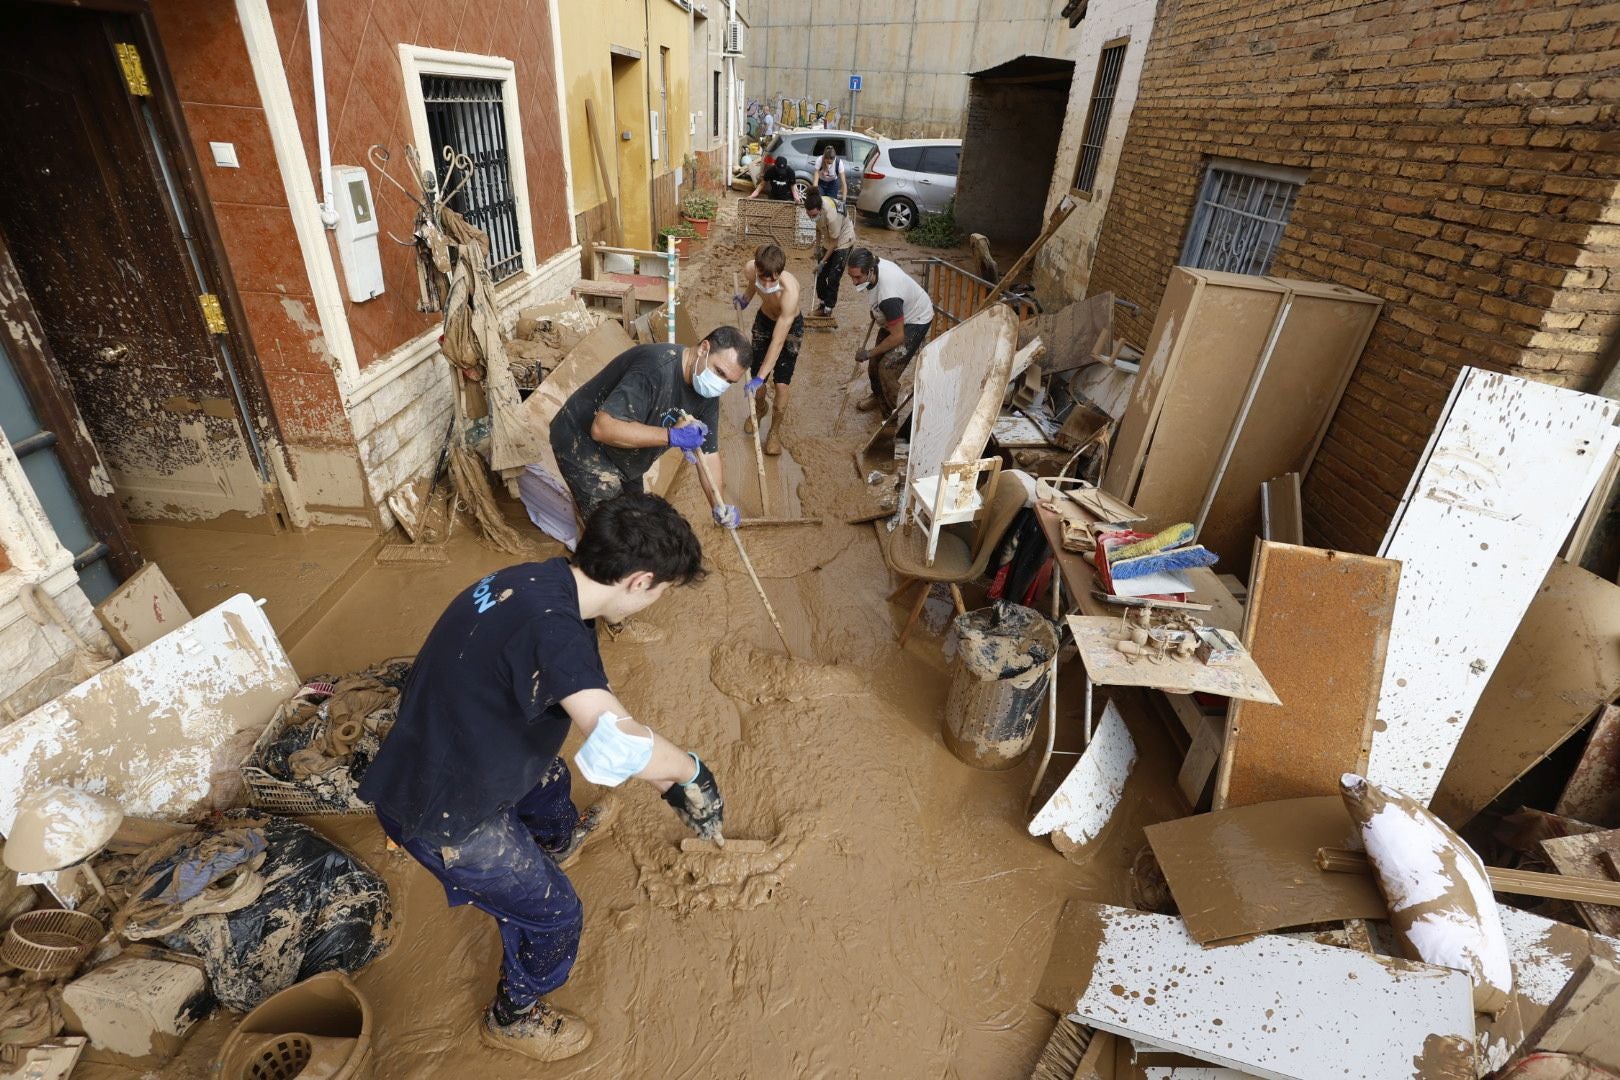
[(274, 795), (52, 943)]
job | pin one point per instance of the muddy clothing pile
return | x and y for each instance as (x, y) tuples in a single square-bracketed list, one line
[(332, 730)]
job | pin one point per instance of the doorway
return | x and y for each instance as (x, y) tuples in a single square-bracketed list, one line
[(634, 162), (103, 223)]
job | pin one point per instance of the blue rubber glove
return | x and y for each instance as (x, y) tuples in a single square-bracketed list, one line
[(739, 300), (755, 384), (689, 436), (728, 516)]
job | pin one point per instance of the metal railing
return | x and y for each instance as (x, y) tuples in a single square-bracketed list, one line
[(470, 115)]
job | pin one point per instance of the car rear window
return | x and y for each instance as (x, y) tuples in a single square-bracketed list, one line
[(871, 159), (906, 157), (941, 159)]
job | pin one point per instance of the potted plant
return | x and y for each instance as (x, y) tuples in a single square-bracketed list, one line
[(698, 210), (683, 234)]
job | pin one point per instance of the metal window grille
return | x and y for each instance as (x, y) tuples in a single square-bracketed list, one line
[(1102, 107), (470, 116), (1240, 217)]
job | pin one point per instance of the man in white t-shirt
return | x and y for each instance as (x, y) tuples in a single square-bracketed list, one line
[(903, 308)]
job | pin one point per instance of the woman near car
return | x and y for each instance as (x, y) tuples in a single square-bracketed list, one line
[(830, 177)]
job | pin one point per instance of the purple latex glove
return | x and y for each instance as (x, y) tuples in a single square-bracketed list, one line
[(728, 516), (739, 300), (862, 356), (755, 384), (689, 436)]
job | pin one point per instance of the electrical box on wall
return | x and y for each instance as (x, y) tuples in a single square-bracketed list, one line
[(357, 233)]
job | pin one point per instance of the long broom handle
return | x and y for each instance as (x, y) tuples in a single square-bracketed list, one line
[(753, 413), (714, 499)]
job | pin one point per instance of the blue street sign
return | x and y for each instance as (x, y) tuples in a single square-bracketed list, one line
[(854, 82)]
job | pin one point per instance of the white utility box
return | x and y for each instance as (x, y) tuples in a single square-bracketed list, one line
[(357, 232)]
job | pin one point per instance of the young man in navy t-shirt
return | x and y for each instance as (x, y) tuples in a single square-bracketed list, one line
[(470, 781)]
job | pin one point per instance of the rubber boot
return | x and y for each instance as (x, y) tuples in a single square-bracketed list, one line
[(773, 441), (544, 1033), (869, 403)]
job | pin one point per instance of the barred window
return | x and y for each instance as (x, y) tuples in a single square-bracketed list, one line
[(470, 116), (1097, 116), (1242, 209)]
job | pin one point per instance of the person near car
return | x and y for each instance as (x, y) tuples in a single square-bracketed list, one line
[(778, 333), (776, 182), (830, 178), (770, 122), (906, 314), (835, 239)]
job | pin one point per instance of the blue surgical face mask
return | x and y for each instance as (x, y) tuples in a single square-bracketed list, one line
[(709, 383)]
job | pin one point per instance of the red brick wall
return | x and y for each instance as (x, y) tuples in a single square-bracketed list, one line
[(209, 63), (365, 102), (1463, 160)]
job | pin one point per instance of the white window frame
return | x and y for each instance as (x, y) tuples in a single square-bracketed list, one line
[(1198, 226), (416, 61)]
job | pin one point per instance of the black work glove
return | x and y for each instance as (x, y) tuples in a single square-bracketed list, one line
[(699, 803)]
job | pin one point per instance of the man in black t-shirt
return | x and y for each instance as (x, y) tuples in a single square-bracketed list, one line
[(470, 781), (776, 180), (612, 429)]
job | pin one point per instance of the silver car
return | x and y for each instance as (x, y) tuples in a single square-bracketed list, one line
[(802, 149), (906, 178)]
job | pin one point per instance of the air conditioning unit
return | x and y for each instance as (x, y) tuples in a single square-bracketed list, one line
[(734, 38)]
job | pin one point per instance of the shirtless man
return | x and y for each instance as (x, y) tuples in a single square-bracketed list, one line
[(778, 333)]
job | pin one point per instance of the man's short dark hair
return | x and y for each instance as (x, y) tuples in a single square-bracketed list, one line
[(812, 200), (725, 337), (862, 259), (769, 260), (633, 532)]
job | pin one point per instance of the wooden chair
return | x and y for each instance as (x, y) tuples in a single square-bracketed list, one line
[(963, 552), (952, 497)]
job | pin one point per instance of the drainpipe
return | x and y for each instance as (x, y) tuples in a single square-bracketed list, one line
[(731, 97), (317, 72)]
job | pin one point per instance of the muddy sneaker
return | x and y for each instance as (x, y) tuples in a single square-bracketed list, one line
[(868, 404), (544, 1033), (590, 822)]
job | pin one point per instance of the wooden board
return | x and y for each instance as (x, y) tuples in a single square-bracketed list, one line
[(1162, 355), (1252, 869), (163, 731), (1107, 666), (598, 349), (1083, 803), (1582, 857), (1321, 340), (1203, 754), (1593, 791), (1272, 1006), (1318, 624), (1546, 954), (1507, 471), (141, 610), (1562, 664), (1582, 1019), (1201, 398)]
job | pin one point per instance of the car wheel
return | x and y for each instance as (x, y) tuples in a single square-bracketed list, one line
[(802, 186), (899, 214)]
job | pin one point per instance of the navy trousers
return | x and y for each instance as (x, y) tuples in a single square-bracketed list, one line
[(504, 869)]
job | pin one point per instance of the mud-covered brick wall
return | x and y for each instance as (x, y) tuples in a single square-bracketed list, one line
[(1463, 158)]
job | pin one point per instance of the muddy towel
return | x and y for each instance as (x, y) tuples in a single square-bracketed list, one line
[(319, 909), (331, 731), (1002, 658), (192, 874)]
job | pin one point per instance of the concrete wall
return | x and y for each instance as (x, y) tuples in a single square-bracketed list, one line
[(1063, 266), (1462, 161), (1008, 152), (912, 55)]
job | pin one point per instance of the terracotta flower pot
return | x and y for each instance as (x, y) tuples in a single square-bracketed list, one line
[(700, 224)]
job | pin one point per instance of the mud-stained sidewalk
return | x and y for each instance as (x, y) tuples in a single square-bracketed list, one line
[(900, 917)]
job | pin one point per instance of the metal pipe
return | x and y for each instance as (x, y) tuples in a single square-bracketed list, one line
[(323, 138)]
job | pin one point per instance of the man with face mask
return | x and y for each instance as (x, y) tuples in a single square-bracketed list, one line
[(471, 781), (778, 333), (612, 429), (906, 313)]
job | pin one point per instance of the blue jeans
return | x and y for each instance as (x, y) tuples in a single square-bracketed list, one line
[(503, 869), (829, 190)]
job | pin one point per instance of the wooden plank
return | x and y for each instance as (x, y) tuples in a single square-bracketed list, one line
[(608, 176), (1163, 354), (1259, 1005), (1582, 857), (1593, 791), (1502, 879), (1581, 1020), (1318, 624), (1281, 517), (1509, 467), (1228, 329), (141, 610), (1107, 666), (1082, 805), (163, 731), (1249, 870), (1320, 342), (1562, 664), (1546, 955), (1202, 755)]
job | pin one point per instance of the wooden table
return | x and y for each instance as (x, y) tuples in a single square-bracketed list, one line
[(1076, 574)]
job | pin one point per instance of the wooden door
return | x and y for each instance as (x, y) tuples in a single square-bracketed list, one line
[(95, 223)]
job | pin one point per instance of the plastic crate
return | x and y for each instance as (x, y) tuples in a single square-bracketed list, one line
[(275, 795)]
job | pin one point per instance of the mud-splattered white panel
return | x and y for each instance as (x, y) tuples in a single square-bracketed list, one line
[(164, 730), (1506, 473), (1083, 803)]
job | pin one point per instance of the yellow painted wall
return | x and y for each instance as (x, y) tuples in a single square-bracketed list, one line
[(590, 30)]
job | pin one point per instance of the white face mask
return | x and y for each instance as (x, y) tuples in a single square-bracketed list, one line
[(709, 383), (612, 755), (770, 290), (865, 285)]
